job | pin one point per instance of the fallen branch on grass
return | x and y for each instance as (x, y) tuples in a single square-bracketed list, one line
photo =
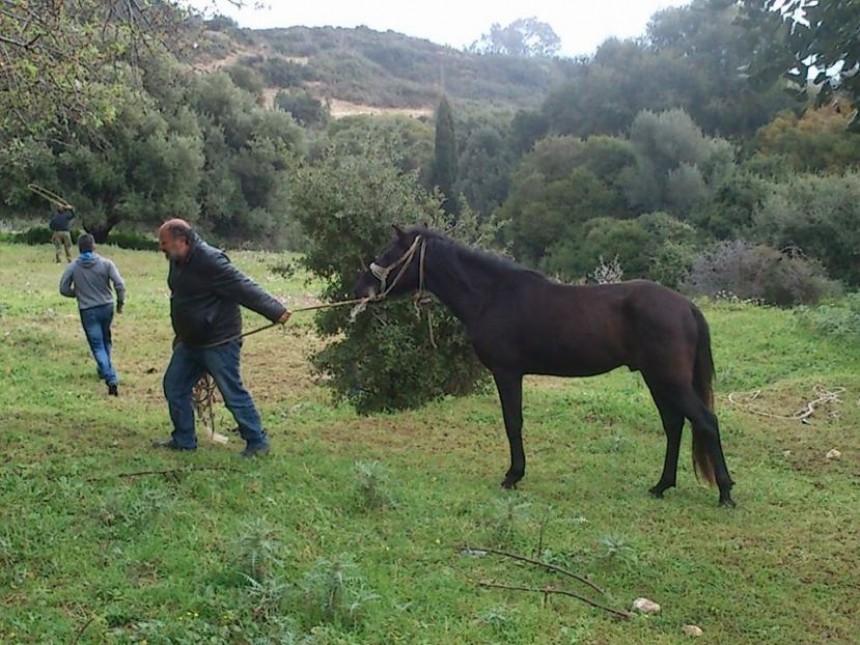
[(550, 590), (546, 591), (550, 567), (82, 630), (170, 471)]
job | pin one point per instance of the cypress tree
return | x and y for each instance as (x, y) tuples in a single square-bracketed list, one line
[(445, 162)]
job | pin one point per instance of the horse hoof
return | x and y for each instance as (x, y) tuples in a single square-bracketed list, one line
[(510, 481), (727, 503), (659, 488)]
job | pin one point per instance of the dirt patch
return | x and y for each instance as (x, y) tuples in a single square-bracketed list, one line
[(791, 402), (269, 94), (340, 109), (805, 422)]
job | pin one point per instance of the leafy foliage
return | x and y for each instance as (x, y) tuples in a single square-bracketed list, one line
[(249, 155), (307, 110), (485, 167), (814, 44), (677, 167), (818, 215), (63, 62), (527, 37), (372, 486), (691, 59), (193, 147), (625, 241), (259, 552), (558, 187), (839, 319), (820, 140), (384, 359)]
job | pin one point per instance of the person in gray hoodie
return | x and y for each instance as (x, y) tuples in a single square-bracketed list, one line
[(89, 279)]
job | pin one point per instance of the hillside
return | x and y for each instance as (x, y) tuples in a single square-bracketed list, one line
[(358, 69)]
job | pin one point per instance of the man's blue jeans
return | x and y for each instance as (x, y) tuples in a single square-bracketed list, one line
[(96, 322), (186, 367)]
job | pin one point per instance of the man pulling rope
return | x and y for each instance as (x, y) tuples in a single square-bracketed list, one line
[(206, 296)]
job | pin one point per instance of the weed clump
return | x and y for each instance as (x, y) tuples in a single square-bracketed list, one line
[(372, 484), (838, 319), (335, 593)]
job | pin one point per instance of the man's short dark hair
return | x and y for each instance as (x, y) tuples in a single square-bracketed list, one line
[(86, 243)]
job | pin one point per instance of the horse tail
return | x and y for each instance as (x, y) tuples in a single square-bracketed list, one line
[(703, 376)]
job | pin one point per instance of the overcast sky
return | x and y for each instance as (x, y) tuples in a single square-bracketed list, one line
[(581, 24)]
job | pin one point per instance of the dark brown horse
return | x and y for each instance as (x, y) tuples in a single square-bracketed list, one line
[(519, 322)]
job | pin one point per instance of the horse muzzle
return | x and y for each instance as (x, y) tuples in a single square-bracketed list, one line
[(367, 286)]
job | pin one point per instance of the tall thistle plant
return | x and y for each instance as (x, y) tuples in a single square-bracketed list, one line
[(383, 359)]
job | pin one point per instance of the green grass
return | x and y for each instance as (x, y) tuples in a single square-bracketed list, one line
[(353, 530)]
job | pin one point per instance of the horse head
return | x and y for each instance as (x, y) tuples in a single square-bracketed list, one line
[(396, 270)]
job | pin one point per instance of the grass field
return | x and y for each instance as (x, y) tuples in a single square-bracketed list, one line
[(355, 529)]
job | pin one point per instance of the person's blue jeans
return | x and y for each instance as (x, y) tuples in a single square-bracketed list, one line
[(186, 367), (96, 322)]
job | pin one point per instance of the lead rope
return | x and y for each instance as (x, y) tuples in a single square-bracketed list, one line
[(51, 196), (203, 394), (422, 298), (204, 405), (204, 391)]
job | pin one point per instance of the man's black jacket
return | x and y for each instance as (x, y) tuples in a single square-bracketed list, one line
[(61, 221), (205, 294)]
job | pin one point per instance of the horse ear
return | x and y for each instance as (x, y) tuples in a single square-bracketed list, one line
[(398, 231), (426, 225)]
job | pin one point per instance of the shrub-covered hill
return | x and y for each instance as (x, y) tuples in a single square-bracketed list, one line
[(383, 69)]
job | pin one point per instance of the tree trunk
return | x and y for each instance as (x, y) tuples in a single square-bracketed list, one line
[(100, 232)]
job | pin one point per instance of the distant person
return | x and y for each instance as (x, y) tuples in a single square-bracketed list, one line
[(89, 279), (61, 235), (206, 292)]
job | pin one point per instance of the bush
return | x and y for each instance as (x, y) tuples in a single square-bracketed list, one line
[(758, 273), (305, 108), (33, 236), (37, 235), (670, 263), (132, 241), (598, 239), (372, 486), (818, 214), (840, 318), (383, 360)]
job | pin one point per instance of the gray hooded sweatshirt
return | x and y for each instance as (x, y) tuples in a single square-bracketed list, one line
[(89, 280)]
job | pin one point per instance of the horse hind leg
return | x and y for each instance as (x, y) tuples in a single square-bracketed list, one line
[(708, 432), (708, 457), (673, 424)]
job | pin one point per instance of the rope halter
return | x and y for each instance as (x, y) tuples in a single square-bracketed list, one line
[(421, 297), (381, 273)]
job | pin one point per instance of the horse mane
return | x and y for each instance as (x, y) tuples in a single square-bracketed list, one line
[(489, 263)]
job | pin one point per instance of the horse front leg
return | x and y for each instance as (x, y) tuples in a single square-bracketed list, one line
[(510, 387)]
